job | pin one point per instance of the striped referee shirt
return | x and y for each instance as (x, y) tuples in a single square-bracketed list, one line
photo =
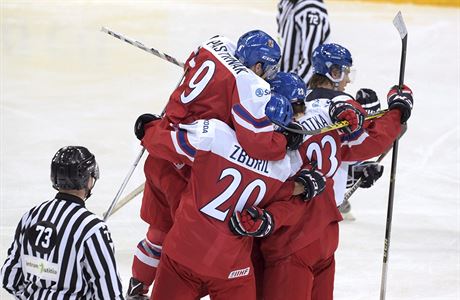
[(61, 251), (302, 26)]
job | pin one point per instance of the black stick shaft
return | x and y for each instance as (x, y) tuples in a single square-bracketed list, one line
[(399, 24)]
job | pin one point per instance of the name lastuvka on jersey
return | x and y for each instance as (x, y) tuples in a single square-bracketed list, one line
[(222, 52)]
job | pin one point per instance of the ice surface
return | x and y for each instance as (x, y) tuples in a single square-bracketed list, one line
[(65, 82)]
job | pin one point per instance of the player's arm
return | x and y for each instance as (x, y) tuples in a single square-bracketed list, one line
[(100, 265), (11, 273), (287, 210), (254, 131), (381, 132), (180, 144)]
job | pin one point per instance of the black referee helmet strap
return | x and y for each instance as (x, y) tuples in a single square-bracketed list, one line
[(71, 168)]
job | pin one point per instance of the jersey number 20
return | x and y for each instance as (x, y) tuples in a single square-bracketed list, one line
[(211, 208)]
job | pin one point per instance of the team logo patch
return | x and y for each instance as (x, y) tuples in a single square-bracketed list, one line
[(259, 92)]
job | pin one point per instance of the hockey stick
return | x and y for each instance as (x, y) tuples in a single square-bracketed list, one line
[(123, 201), (401, 27), (171, 59), (123, 185), (334, 126), (357, 184), (141, 46)]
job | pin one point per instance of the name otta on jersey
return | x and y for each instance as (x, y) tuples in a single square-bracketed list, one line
[(222, 51), (240, 156)]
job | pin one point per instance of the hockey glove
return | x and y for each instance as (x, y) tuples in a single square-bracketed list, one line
[(401, 100), (368, 171), (293, 139), (368, 100), (140, 123), (252, 221), (314, 183), (344, 111)]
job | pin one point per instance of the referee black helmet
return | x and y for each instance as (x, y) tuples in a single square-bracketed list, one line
[(72, 167)]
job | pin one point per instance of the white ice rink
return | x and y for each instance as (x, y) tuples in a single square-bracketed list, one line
[(64, 82)]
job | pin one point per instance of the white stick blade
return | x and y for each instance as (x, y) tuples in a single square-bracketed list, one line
[(398, 21)]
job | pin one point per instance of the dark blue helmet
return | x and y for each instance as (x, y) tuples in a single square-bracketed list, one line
[(258, 47), (290, 85), (327, 56), (279, 110), (71, 168)]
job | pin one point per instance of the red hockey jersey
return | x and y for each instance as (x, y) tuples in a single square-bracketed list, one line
[(224, 178), (328, 151), (217, 86)]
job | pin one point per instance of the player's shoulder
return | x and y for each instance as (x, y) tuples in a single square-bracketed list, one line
[(203, 134), (310, 5), (251, 86), (221, 49), (322, 93)]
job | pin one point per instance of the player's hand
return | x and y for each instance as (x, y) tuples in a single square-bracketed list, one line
[(368, 171), (368, 100), (401, 100), (140, 123), (344, 111), (293, 140), (252, 221), (313, 181)]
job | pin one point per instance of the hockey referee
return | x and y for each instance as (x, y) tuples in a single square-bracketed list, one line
[(302, 26), (60, 249)]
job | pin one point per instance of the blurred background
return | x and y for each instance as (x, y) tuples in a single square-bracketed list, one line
[(64, 82)]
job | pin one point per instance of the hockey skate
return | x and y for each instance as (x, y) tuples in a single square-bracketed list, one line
[(136, 290)]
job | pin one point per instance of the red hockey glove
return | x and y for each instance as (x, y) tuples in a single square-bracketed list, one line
[(344, 111), (252, 221), (401, 100)]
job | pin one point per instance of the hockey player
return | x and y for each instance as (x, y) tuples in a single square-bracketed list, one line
[(228, 190), (291, 86), (60, 249), (299, 259), (302, 26), (223, 81)]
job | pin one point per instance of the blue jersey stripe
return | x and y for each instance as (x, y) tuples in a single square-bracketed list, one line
[(184, 145), (250, 119)]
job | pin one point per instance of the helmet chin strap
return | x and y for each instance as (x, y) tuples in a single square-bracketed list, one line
[(88, 190), (336, 82)]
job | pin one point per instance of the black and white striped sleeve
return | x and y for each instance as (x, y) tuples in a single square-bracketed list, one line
[(11, 273), (99, 260), (302, 27)]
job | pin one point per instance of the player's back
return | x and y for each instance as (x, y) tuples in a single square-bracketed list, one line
[(214, 81), (224, 179)]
